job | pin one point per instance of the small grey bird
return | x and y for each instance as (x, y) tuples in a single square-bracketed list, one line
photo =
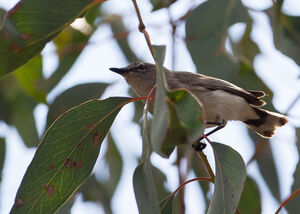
[(221, 100)]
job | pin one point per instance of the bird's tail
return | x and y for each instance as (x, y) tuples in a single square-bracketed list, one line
[(267, 122)]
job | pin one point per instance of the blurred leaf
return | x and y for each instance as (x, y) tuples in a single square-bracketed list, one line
[(245, 49), (69, 45), (159, 179), (229, 181), (3, 15), (158, 4), (200, 170), (30, 77), (293, 205), (121, 36), (31, 24), (206, 42), (17, 109), (66, 156), (23, 119), (94, 190), (266, 166), (72, 97), (286, 32), (2, 155), (144, 189), (250, 199), (66, 208), (92, 14)]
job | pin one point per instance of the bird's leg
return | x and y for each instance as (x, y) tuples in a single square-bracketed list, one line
[(198, 145)]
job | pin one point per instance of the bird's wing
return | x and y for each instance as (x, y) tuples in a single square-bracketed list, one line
[(211, 83)]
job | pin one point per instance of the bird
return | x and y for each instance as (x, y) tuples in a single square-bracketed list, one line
[(221, 100)]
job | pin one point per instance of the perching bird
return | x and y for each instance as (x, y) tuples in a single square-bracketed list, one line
[(221, 100)]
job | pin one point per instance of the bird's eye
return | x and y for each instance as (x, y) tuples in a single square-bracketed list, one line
[(141, 67)]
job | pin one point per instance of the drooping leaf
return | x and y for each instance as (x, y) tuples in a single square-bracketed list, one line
[(293, 205), (266, 166), (2, 156), (30, 77), (250, 200), (144, 189), (229, 181), (160, 116), (72, 97), (66, 156), (30, 24)]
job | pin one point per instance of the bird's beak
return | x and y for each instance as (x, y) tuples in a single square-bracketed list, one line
[(119, 70)]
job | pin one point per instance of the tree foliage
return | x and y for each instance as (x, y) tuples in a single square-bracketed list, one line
[(78, 121)]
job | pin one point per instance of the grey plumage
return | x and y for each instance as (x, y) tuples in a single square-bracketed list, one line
[(220, 99)]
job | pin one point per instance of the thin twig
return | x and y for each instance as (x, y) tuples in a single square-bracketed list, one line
[(204, 158), (174, 28), (182, 185), (287, 200), (142, 29)]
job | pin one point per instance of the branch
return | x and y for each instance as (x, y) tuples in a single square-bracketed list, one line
[(287, 200), (142, 29)]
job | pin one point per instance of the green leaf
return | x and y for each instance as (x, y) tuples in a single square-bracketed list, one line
[(33, 23), (2, 155), (160, 116), (30, 77), (144, 189), (245, 49), (206, 42), (20, 115), (189, 111), (229, 181), (94, 190), (286, 32), (250, 199), (73, 97), (293, 205), (66, 156)]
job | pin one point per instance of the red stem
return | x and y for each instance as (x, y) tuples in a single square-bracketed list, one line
[(287, 200)]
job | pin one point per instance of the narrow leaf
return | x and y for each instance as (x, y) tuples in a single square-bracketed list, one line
[(229, 181), (66, 156), (144, 189), (250, 200)]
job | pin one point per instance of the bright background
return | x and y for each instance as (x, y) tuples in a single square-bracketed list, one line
[(279, 72)]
